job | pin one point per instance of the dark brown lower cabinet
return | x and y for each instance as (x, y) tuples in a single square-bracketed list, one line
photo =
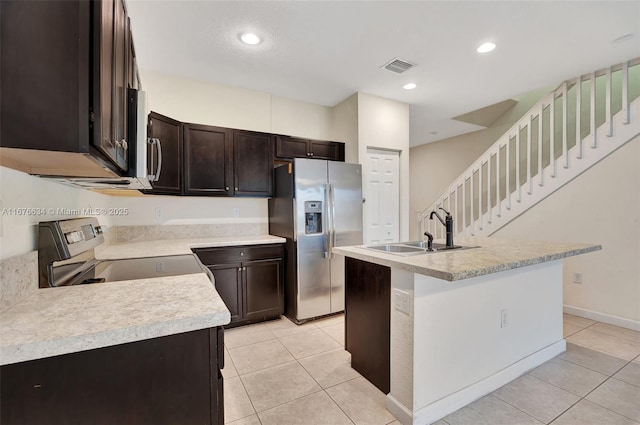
[(368, 320), (249, 279), (174, 379)]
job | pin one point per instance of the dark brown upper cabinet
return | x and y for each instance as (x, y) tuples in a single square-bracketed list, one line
[(169, 134), (226, 162), (64, 84), (288, 147), (208, 160), (252, 163)]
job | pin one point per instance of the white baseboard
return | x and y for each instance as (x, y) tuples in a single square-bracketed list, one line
[(399, 410), (441, 408), (604, 318)]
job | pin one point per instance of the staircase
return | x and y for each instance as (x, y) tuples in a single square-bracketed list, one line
[(571, 129)]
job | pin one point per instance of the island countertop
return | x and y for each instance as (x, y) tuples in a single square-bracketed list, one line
[(55, 321), (491, 256)]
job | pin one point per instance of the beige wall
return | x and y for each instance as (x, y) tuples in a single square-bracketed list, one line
[(384, 123), (600, 206), (344, 126), (436, 165)]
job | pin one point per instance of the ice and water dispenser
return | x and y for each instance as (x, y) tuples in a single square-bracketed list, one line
[(312, 217)]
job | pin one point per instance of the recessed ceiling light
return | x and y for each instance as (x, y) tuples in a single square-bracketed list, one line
[(409, 86), (486, 47), (250, 38)]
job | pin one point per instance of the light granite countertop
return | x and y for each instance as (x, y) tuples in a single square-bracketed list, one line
[(63, 320), (491, 256), (55, 321), (164, 247)]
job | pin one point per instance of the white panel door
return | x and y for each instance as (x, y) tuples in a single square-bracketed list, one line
[(382, 194)]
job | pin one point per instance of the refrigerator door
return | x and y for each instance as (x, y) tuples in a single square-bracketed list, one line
[(313, 272), (345, 205)]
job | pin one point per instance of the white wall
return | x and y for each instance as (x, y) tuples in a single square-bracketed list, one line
[(20, 191), (384, 123), (600, 206)]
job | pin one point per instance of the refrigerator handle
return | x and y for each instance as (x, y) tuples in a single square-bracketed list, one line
[(295, 220), (327, 222), (332, 214)]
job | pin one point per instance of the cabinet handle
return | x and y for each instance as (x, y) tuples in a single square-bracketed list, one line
[(244, 269), (242, 254), (125, 146), (226, 188), (236, 189), (239, 269), (311, 154)]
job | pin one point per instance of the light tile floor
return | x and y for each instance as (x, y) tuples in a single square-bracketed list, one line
[(278, 373)]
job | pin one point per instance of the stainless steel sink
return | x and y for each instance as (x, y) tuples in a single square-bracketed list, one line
[(418, 244), (396, 249), (414, 248)]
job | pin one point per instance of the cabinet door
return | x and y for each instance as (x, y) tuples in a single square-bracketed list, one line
[(103, 52), (110, 74), (120, 77), (263, 296), (44, 86), (291, 147), (333, 151), (169, 132), (228, 282), (252, 163), (208, 160), (159, 381)]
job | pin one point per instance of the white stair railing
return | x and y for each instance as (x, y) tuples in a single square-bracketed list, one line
[(568, 131)]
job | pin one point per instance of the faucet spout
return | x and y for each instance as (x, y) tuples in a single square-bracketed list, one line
[(438, 216), (447, 223)]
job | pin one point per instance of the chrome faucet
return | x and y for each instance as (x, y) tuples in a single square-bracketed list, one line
[(447, 223), (429, 241)]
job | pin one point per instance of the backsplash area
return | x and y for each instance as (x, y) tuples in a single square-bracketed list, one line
[(184, 231), (18, 278)]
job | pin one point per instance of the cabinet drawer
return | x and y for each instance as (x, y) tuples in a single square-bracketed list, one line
[(213, 256)]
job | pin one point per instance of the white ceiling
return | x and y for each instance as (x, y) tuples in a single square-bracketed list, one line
[(324, 51)]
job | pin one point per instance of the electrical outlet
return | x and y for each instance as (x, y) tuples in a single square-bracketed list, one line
[(577, 278), (159, 213), (504, 318), (236, 212), (402, 301)]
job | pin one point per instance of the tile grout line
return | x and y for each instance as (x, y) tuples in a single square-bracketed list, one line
[(529, 414), (317, 383), (306, 371), (595, 388)]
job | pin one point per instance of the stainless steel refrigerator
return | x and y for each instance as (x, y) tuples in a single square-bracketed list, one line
[(316, 205)]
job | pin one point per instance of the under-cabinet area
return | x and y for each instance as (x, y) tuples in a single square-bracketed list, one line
[(249, 279)]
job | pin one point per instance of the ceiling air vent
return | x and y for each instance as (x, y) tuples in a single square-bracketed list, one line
[(399, 65)]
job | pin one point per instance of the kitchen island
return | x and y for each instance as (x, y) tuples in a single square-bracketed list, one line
[(439, 330)]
